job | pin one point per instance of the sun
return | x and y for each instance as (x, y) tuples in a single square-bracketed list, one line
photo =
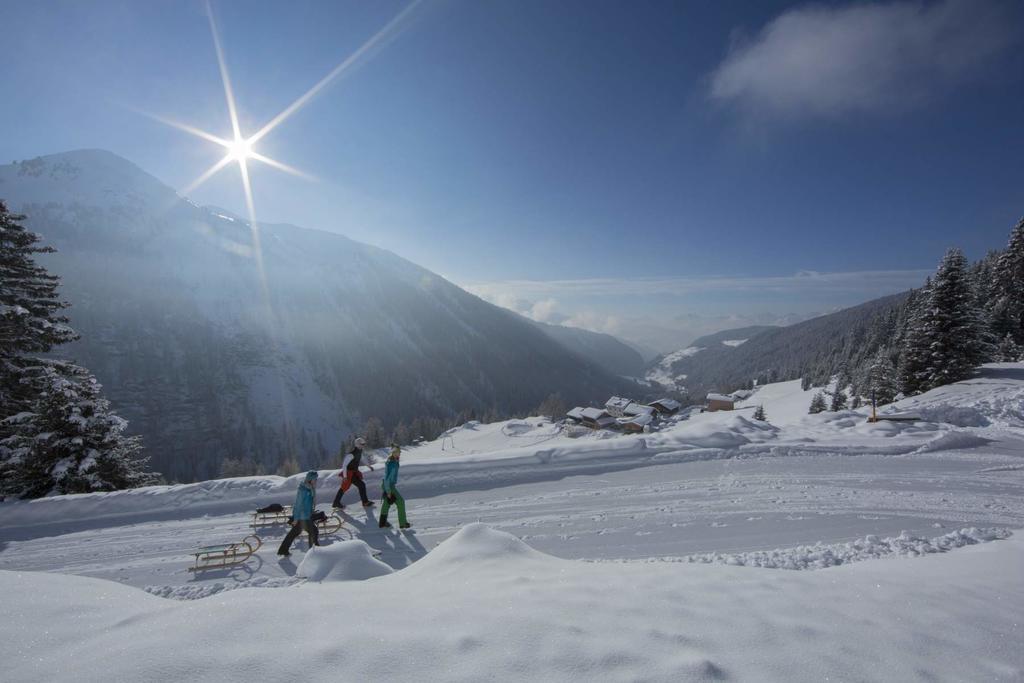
[(240, 149)]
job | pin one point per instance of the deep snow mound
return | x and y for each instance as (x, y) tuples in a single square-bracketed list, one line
[(731, 432), (477, 544), (994, 396), (343, 561)]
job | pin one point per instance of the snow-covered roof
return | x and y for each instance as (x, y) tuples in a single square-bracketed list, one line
[(594, 414), (721, 397), (742, 393), (576, 413), (638, 409), (667, 403), (617, 403)]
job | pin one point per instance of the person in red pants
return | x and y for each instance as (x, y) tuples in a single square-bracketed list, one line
[(351, 475)]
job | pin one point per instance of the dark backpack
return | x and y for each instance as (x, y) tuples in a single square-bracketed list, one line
[(273, 507)]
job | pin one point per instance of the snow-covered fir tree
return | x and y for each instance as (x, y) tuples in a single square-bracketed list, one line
[(955, 337), (1008, 292), (882, 382), (30, 314), (913, 344), (838, 401), (817, 404), (57, 434), (948, 335), (1009, 351), (71, 442), (759, 414)]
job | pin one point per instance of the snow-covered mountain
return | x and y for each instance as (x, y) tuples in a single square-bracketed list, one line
[(207, 359), (730, 359)]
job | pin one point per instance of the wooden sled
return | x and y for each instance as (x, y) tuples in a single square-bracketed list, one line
[(225, 555), (260, 519), (331, 524)]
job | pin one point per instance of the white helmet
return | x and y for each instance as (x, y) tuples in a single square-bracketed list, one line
[(360, 442)]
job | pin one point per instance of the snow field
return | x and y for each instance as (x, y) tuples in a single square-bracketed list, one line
[(484, 606), (661, 515)]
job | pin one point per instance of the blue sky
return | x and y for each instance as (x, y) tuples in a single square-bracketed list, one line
[(654, 170)]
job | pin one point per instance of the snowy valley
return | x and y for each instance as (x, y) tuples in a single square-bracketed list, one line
[(658, 556), (487, 342)]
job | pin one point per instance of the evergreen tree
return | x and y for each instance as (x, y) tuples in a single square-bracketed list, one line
[(71, 442), (30, 319), (240, 467), (913, 342), (401, 435), (953, 337), (1009, 351), (373, 432), (1008, 307), (817, 403), (759, 414), (289, 466), (57, 434), (857, 402), (553, 408), (843, 377), (882, 380), (838, 401)]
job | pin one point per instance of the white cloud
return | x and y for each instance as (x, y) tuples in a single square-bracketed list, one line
[(546, 311), (662, 313), (828, 61)]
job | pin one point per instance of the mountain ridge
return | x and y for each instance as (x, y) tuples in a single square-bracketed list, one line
[(773, 354), (209, 357)]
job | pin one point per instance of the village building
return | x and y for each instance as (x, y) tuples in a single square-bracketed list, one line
[(718, 402), (666, 406), (616, 405), (595, 418), (635, 409), (634, 424)]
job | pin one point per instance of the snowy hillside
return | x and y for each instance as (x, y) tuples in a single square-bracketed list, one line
[(732, 358), (905, 537), (208, 357)]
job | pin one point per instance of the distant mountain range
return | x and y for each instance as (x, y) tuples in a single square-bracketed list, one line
[(732, 359), (209, 358)]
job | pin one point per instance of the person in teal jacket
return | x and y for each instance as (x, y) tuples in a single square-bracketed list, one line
[(302, 514), (391, 494)]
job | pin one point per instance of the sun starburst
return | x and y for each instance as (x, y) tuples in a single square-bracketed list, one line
[(240, 148)]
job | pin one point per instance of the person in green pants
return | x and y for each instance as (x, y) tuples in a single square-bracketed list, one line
[(391, 494)]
